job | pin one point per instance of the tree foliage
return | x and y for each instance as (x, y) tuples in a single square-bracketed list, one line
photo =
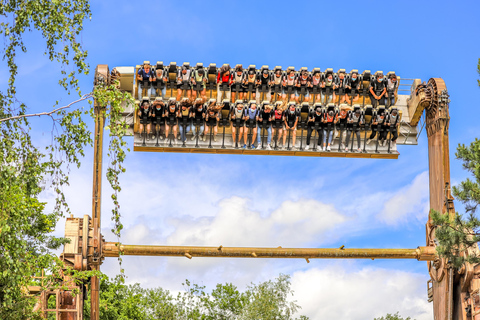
[(267, 300), (27, 168), (395, 316)]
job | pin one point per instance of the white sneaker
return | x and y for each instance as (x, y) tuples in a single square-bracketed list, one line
[(204, 138), (269, 148), (346, 149), (328, 148), (369, 141), (322, 149), (233, 144), (293, 148), (194, 136), (259, 147), (215, 138), (153, 137), (179, 137), (161, 137), (284, 147), (307, 147)]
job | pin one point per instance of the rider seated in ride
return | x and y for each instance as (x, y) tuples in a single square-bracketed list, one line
[(264, 121), (145, 77), (290, 121), (144, 113), (315, 119), (171, 114), (303, 82), (353, 88), (212, 117), (289, 85), (237, 82), (237, 117), (184, 81), (250, 121), (223, 83)]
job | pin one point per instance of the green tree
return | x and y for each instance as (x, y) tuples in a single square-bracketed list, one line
[(458, 236), (267, 300), (393, 317), (26, 168)]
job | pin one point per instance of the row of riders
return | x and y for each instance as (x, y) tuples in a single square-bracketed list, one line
[(250, 122), (267, 85)]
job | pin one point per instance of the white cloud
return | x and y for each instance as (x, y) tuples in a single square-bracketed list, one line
[(338, 293), (294, 223), (410, 202)]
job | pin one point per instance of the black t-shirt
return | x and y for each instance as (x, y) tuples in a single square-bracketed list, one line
[(354, 83), (169, 114), (290, 117), (378, 86), (158, 113), (144, 112), (343, 120), (212, 118), (264, 80), (340, 83), (265, 117), (198, 114), (317, 119)]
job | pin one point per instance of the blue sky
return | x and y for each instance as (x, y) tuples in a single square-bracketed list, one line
[(253, 200)]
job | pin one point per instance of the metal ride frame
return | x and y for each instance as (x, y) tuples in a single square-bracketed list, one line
[(455, 293)]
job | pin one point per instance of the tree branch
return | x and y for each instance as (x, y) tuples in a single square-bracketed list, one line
[(84, 97)]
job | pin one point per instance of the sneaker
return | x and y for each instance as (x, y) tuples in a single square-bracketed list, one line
[(161, 137), (174, 142), (179, 138), (194, 137), (346, 149), (153, 137), (328, 148), (342, 146), (293, 149), (215, 138), (233, 144), (307, 147), (369, 141), (148, 137), (244, 146), (204, 138), (269, 148), (359, 150), (284, 147), (259, 147)]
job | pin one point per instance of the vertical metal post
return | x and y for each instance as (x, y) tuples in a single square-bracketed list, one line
[(97, 197)]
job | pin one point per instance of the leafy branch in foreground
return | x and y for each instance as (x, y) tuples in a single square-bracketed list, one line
[(31, 168)]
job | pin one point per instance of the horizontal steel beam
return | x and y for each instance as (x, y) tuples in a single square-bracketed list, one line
[(112, 249)]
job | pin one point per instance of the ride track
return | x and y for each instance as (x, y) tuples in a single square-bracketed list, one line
[(452, 291)]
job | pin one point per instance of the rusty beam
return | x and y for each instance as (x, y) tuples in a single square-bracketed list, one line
[(112, 249)]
